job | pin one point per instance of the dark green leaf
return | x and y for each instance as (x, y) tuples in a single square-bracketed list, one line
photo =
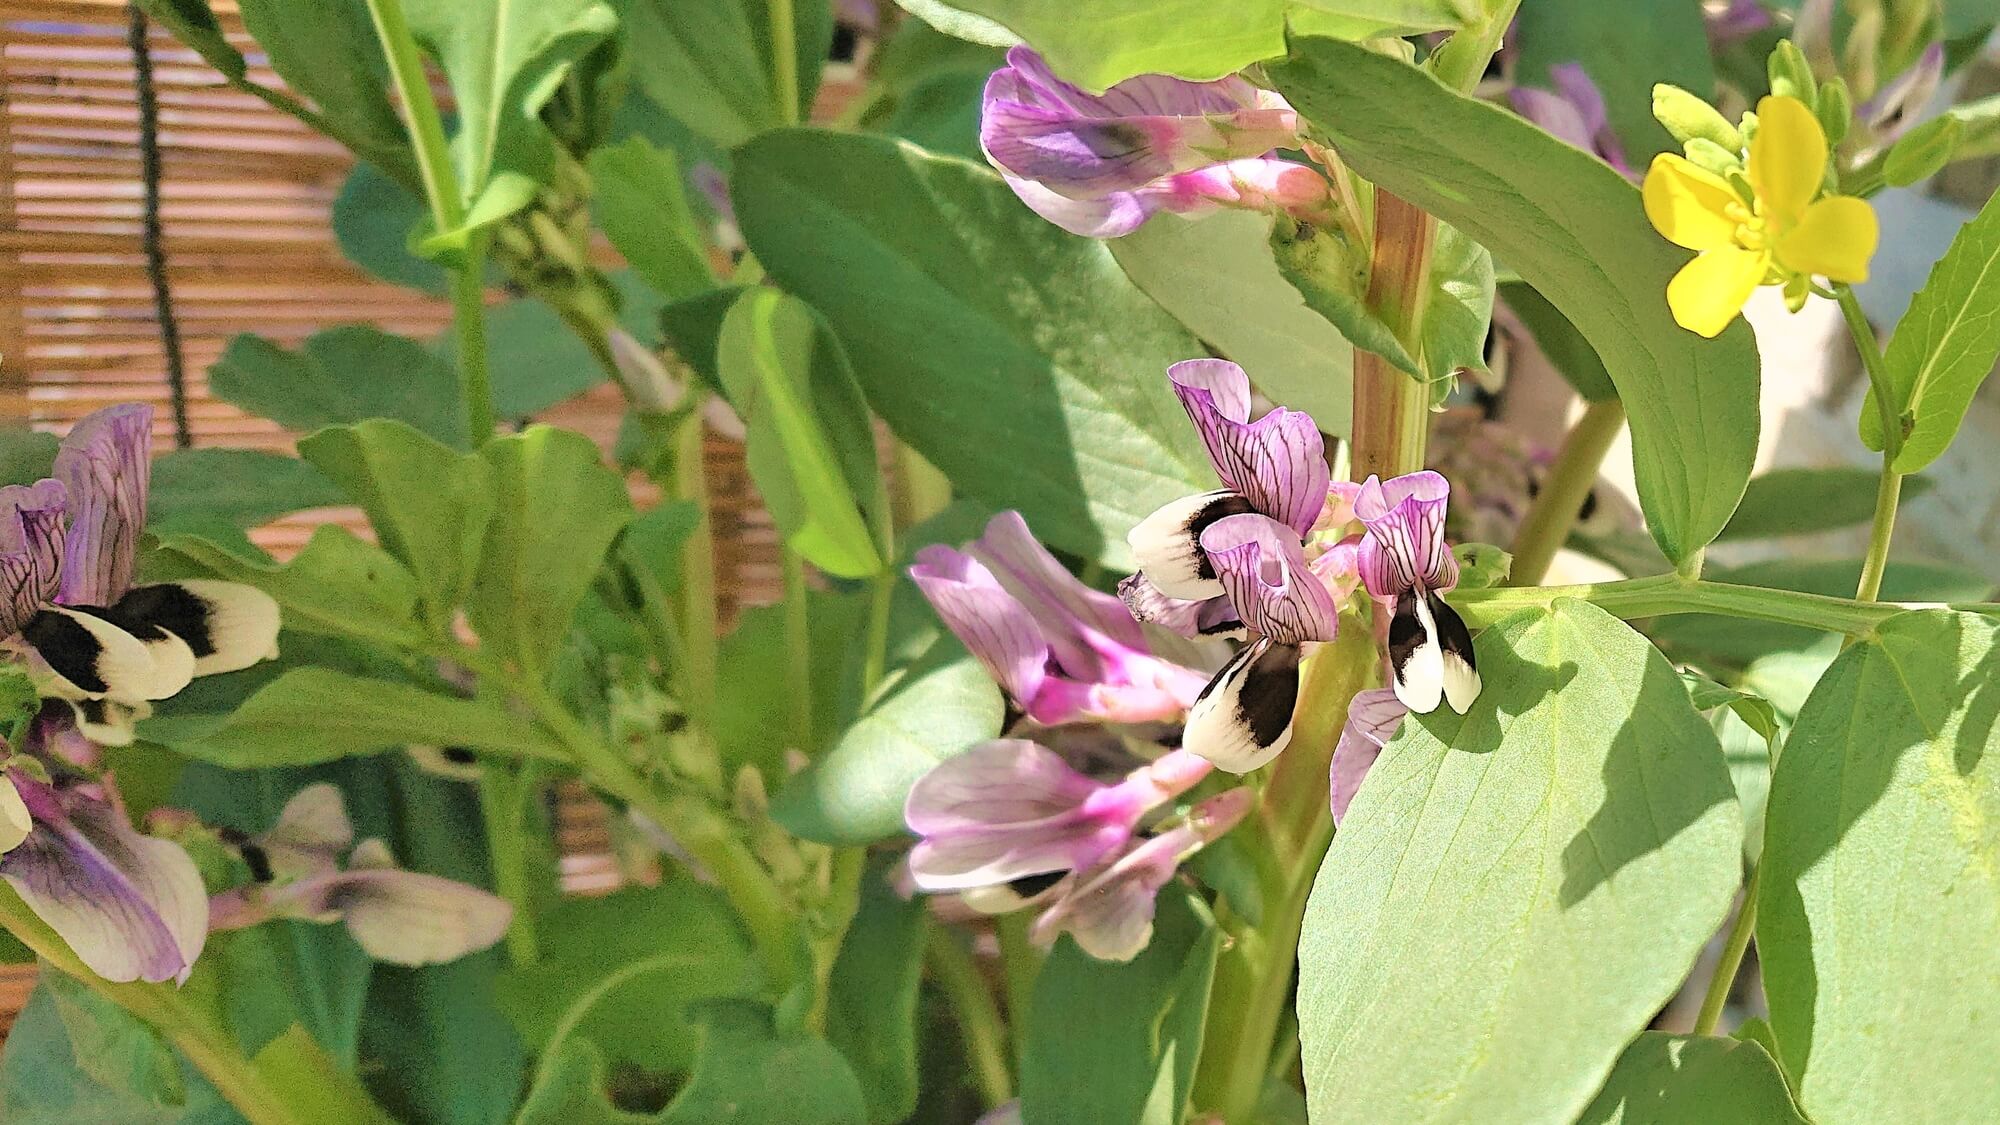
[(1565, 347), (26, 456), (981, 319), (1626, 49), (707, 64), (341, 375), (1111, 1041), (373, 217), (872, 1001), (338, 585), (1666, 1079), (748, 1074), (642, 207), (242, 487), (693, 328), (1539, 873), (1805, 501), (1880, 839), (328, 51), (1562, 219)]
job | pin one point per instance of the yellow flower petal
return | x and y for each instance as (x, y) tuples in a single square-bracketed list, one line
[(1787, 158), (1834, 239), (1688, 204), (1709, 291)]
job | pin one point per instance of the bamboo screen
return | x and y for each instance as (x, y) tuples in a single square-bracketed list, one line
[(245, 199)]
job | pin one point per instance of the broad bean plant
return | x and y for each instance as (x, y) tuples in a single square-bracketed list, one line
[(1183, 706)]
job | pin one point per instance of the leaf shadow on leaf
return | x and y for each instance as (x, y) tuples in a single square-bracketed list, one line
[(1622, 830)]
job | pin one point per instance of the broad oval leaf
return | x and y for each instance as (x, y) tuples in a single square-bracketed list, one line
[(1880, 897), (339, 376), (1514, 893), (337, 586), (1015, 357), (810, 447), (1944, 347), (707, 64), (1666, 1079), (1575, 230), (242, 488), (1804, 501), (642, 206)]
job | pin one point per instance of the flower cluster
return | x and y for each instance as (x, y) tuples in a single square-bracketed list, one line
[(1101, 165)]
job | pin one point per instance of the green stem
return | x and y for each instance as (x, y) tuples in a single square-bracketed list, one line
[(882, 598), (1889, 494), (1392, 410), (1667, 594), (837, 910), (798, 649), (468, 316), (1462, 61), (784, 60), (697, 588), (978, 1016), (1563, 492), (1020, 963), (1733, 949), (502, 793)]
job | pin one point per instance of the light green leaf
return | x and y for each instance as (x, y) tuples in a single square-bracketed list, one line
[(654, 540), (312, 715), (338, 585), (960, 24), (1626, 49), (707, 64), (1806, 501), (341, 375), (245, 488), (429, 504), (1755, 711), (1879, 898), (317, 1088), (1370, 19), (1576, 231), (1460, 312), (504, 60), (1945, 345), (1515, 892), (642, 207), (570, 1089), (1217, 277), (114, 1049), (941, 704), (556, 509), (749, 1074), (872, 998), (810, 447), (981, 319), (1666, 1079), (1574, 359), (1096, 43), (1111, 1041)]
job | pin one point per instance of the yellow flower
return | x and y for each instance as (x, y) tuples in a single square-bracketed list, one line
[(1781, 237)]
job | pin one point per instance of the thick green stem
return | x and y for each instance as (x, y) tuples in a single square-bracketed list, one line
[(1888, 495), (1462, 61), (468, 317), (697, 590), (502, 797), (881, 599), (1392, 410), (979, 1019), (1563, 493), (784, 60), (1726, 969), (798, 649)]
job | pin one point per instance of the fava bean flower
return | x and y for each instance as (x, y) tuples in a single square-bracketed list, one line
[(1101, 165), (1060, 650), (1574, 112), (402, 917), (1771, 226), (1405, 562), (1373, 718), (68, 609)]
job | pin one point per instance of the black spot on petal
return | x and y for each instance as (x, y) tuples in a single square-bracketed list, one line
[(68, 647)]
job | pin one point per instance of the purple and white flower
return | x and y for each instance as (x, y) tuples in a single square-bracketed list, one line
[(402, 917), (1406, 563), (1100, 165), (1897, 106), (68, 609), (1574, 112), (131, 907), (1232, 562), (1061, 650)]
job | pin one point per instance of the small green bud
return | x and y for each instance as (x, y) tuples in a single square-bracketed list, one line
[(1922, 151), (1791, 75), (1836, 109), (1481, 566), (1708, 155), (1688, 117)]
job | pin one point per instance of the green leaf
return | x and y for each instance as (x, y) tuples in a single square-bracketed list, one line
[(748, 1074), (312, 715), (1807, 501), (429, 504), (1626, 49), (338, 585), (341, 375), (1460, 312), (46, 1078), (939, 705), (504, 61), (193, 22), (113, 1048), (1537, 875), (1755, 711), (373, 217), (1217, 277), (810, 447), (1918, 154), (1372, 19), (329, 52), (981, 319), (26, 456), (1944, 347), (686, 927), (708, 64), (538, 361), (872, 997), (654, 540), (642, 207), (317, 1088), (1880, 838), (1562, 219), (244, 488), (960, 24), (556, 510), (1111, 1041), (1664, 1079), (753, 695)]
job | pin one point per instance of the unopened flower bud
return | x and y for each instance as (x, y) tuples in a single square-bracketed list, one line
[(1688, 117)]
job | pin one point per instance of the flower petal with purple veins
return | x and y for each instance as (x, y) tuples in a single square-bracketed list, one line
[(1278, 462), (32, 518), (1206, 617), (1372, 720), (1112, 216), (997, 630), (1052, 595), (1001, 811), (1265, 574), (1405, 546), (104, 463), (132, 907)]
